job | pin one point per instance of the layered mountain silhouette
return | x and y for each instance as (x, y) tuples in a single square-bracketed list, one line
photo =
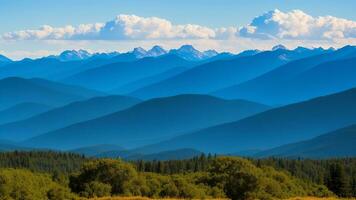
[(10, 146), (73, 55), (300, 80), (97, 149), (339, 143), (178, 154), (135, 85), (63, 116), (22, 111), (148, 122), (4, 60), (55, 69), (18, 90), (112, 76), (39, 68), (70, 62), (272, 128), (218, 74), (188, 52), (194, 101)]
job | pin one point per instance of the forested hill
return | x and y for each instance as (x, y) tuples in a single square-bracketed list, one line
[(75, 172)]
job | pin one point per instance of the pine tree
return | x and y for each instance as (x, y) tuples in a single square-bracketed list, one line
[(338, 182)]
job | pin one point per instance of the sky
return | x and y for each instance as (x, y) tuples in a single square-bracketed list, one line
[(36, 28)]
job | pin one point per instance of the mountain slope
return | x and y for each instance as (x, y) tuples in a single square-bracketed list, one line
[(97, 149), (9, 146), (272, 128), (148, 122), (109, 77), (39, 68), (178, 154), (273, 86), (72, 55), (18, 90), (214, 75), (148, 80), (62, 66), (339, 143), (326, 78), (4, 60), (64, 116), (188, 52), (22, 111)]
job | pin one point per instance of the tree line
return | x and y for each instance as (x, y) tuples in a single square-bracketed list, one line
[(339, 175), (72, 176)]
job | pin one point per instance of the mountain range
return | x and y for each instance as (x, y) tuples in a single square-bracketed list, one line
[(218, 74), (64, 116), (112, 76), (22, 111), (338, 143), (18, 90), (157, 103), (4, 60), (72, 55), (148, 122), (302, 79), (272, 128)]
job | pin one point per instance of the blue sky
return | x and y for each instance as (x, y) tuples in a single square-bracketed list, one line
[(24, 15)]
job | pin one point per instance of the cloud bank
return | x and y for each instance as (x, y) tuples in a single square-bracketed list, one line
[(271, 25), (123, 27), (298, 25), (124, 32)]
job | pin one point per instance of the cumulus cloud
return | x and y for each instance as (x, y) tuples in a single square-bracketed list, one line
[(298, 25), (273, 25), (47, 32), (120, 28)]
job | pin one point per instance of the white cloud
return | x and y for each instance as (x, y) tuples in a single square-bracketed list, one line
[(123, 27), (271, 25), (298, 25), (124, 32), (135, 27)]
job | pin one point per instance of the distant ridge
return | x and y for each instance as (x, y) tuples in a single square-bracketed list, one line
[(18, 90), (73, 55), (150, 121), (66, 115), (115, 75), (336, 144), (4, 60), (188, 52), (298, 80), (214, 75), (272, 128), (178, 154), (22, 111), (97, 149)]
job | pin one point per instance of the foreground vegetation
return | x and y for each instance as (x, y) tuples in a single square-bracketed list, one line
[(339, 175), (49, 175)]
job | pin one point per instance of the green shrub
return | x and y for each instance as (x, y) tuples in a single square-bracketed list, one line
[(241, 179), (96, 189), (112, 172), (19, 184)]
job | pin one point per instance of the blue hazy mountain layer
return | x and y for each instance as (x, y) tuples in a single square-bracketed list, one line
[(218, 74), (132, 86), (112, 76), (18, 90), (63, 116), (22, 111), (338, 143), (272, 128), (299, 80), (148, 122)]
